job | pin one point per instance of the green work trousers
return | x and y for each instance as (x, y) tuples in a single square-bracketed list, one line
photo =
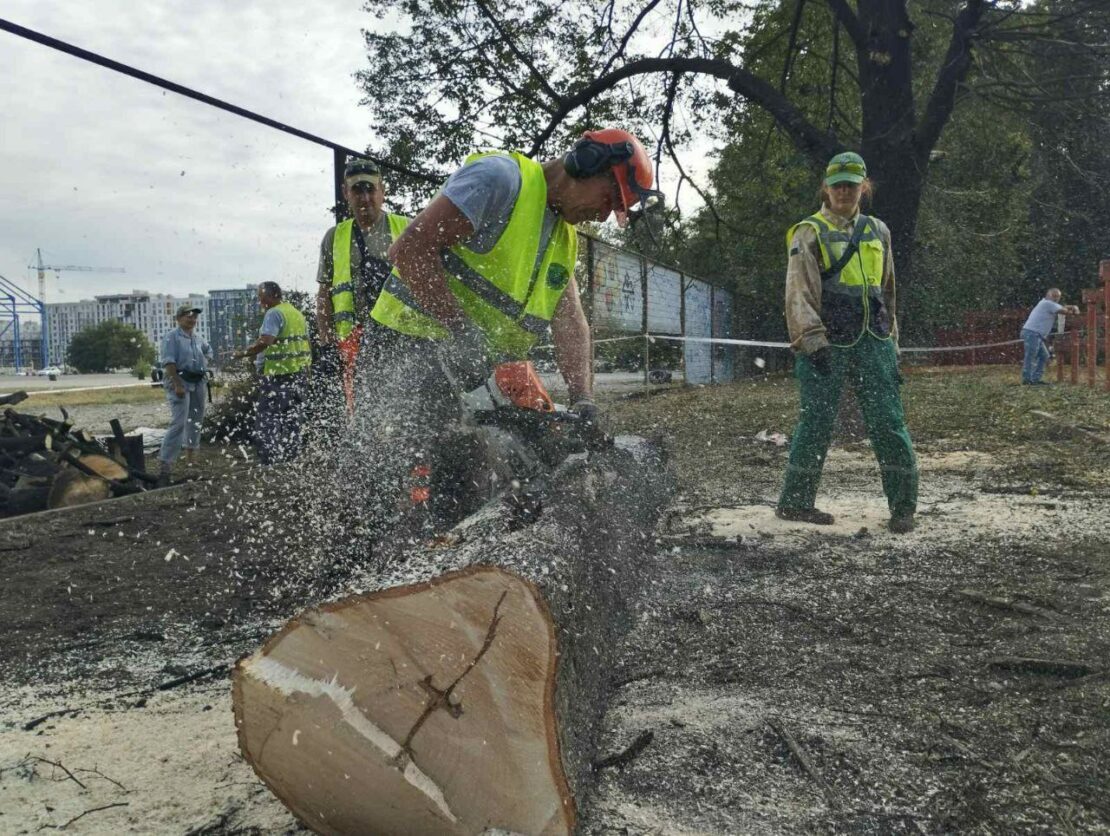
[(871, 367)]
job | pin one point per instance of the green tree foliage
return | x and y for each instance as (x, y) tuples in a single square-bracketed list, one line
[(1069, 160), (109, 345), (882, 76)]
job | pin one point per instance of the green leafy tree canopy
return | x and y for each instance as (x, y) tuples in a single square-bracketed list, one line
[(109, 345), (884, 77)]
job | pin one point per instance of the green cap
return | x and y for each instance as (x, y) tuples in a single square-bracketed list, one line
[(845, 168)]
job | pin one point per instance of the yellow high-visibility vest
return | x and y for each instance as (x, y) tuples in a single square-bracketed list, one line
[(508, 293), (342, 286), (290, 351)]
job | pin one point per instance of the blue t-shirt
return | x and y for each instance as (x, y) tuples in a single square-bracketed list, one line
[(188, 352), (272, 323), (1043, 316), (485, 191)]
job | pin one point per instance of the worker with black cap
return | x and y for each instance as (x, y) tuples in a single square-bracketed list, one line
[(185, 356), (353, 270)]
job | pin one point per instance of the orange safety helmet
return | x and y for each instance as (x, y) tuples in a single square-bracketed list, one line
[(619, 151)]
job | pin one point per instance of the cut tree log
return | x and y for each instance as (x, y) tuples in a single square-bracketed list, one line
[(72, 487), (437, 699), (464, 692), (90, 479)]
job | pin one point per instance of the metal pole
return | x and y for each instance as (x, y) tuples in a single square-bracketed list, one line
[(1091, 300), (45, 351), (644, 316), (712, 331), (590, 282), (339, 158), (1059, 343), (682, 319), (18, 338), (1075, 356)]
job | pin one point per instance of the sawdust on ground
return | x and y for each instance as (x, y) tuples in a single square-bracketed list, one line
[(759, 639)]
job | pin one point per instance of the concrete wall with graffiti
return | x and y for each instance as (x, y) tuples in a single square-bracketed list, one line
[(631, 294)]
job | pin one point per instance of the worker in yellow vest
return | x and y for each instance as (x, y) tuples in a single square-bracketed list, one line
[(486, 271), (352, 270), (840, 312), (283, 355)]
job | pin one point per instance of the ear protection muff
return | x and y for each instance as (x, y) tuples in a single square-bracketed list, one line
[(589, 157)]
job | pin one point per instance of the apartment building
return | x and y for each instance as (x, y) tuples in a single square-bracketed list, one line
[(233, 318), (151, 313)]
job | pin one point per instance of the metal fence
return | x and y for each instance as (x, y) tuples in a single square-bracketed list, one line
[(654, 316)]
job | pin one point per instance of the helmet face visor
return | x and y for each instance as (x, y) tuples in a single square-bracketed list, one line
[(636, 201)]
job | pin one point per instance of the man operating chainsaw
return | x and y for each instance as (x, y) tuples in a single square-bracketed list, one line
[(487, 269)]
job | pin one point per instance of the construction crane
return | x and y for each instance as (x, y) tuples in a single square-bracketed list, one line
[(42, 268)]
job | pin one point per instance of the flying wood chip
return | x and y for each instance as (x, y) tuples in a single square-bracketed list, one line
[(419, 709)]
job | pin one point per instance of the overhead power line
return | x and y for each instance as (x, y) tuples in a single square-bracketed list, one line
[(180, 89)]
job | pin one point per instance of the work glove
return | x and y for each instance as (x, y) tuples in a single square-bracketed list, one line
[(587, 410), (464, 357), (822, 361), (327, 360)]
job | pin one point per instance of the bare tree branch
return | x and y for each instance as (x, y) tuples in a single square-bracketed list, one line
[(850, 22), (952, 73), (616, 56), (541, 78), (815, 142), (791, 43)]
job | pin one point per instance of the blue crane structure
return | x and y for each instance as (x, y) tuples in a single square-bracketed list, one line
[(14, 301)]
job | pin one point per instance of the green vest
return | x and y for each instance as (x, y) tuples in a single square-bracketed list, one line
[(863, 271), (851, 300), (503, 291), (291, 351), (342, 287)]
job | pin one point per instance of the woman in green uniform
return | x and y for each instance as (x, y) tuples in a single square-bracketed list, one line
[(840, 311)]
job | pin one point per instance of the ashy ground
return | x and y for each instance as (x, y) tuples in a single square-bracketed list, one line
[(779, 678)]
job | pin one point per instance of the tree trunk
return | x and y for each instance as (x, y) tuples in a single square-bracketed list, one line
[(464, 694), (888, 136)]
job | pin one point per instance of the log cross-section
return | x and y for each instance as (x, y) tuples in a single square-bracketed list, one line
[(340, 713)]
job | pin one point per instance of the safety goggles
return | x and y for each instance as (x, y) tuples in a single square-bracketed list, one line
[(851, 168)]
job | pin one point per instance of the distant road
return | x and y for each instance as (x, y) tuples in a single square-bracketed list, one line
[(615, 382), (17, 383)]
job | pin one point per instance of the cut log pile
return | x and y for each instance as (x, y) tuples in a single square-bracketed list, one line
[(463, 693), (46, 463)]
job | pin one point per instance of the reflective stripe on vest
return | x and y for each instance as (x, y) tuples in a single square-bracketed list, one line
[(342, 285), (509, 292), (290, 351), (864, 271)]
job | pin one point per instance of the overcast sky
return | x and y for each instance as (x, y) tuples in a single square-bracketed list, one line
[(103, 170)]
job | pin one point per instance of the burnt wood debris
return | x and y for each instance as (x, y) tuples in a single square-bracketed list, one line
[(49, 463)]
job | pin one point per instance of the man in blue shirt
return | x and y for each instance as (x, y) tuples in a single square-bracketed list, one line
[(185, 357), (1036, 329)]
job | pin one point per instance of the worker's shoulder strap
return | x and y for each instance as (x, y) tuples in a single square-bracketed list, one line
[(815, 222), (862, 222)]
